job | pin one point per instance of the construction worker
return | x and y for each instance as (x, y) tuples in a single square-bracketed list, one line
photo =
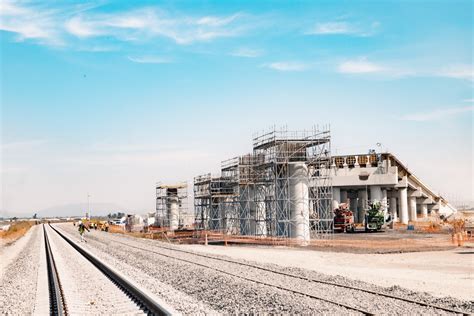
[(82, 228)]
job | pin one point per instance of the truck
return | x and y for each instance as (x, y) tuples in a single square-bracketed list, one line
[(343, 218), (375, 217)]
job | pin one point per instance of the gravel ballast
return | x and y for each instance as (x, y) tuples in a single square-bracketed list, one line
[(86, 290), (227, 284), (19, 277)]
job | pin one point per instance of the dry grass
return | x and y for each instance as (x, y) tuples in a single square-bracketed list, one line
[(16, 230)]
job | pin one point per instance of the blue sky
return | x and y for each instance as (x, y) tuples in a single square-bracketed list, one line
[(109, 97)]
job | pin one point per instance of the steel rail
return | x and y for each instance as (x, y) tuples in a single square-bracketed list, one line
[(57, 305), (147, 303)]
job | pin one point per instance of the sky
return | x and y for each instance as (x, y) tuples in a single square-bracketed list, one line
[(106, 98)]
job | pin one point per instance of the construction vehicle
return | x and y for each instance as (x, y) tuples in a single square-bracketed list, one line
[(343, 218), (375, 217)]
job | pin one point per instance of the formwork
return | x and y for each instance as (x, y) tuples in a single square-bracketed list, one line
[(171, 204), (253, 195)]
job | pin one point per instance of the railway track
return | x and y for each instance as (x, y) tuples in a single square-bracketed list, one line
[(56, 298), (294, 276), (58, 304)]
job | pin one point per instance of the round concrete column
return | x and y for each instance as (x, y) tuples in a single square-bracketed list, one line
[(376, 193), (393, 208), (173, 212), (362, 194), (384, 202), (412, 208), (336, 197), (343, 196), (403, 199), (424, 210), (299, 208)]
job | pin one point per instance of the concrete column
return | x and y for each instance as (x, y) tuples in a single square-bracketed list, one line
[(393, 208), (412, 208), (173, 212), (430, 208), (376, 193), (384, 202), (336, 197), (402, 198), (299, 208), (424, 210), (343, 196), (362, 194)]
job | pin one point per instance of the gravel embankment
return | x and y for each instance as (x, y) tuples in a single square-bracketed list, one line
[(86, 290), (223, 293), (19, 276)]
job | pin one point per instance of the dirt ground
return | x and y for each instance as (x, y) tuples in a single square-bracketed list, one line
[(440, 273)]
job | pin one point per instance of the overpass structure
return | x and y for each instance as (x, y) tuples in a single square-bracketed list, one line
[(360, 179)]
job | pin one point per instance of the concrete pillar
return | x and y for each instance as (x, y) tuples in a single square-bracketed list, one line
[(362, 194), (173, 212), (412, 208), (430, 208), (403, 200), (336, 197), (343, 196), (376, 193), (393, 208), (299, 208), (384, 202), (424, 210), (260, 214)]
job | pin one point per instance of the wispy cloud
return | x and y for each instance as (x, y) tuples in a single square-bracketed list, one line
[(66, 23), (146, 23), (247, 52), (33, 22), (437, 114), (343, 28), (288, 66), (150, 60), (465, 72), (399, 69), (360, 66)]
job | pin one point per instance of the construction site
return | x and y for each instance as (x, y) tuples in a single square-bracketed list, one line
[(290, 190)]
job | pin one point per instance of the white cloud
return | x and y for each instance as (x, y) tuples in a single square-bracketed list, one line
[(437, 114), (288, 66), (150, 60), (80, 28), (66, 22), (29, 23), (360, 66), (146, 23), (247, 52), (343, 28), (465, 72)]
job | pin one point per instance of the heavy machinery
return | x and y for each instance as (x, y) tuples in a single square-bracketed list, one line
[(343, 218), (375, 217)]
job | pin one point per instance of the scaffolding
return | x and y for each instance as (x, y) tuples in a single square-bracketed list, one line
[(171, 205), (255, 193), (275, 177)]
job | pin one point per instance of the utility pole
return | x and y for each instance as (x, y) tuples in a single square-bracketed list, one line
[(89, 205)]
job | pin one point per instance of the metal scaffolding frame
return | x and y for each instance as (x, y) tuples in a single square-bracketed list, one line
[(251, 197), (165, 194)]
